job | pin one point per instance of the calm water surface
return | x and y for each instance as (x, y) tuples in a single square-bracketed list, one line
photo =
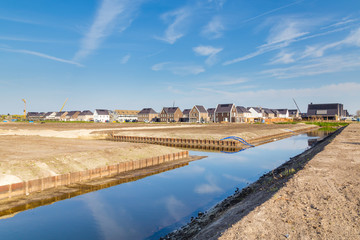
[(156, 205)]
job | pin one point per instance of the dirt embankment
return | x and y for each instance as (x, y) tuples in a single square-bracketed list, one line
[(30, 157), (302, 199)]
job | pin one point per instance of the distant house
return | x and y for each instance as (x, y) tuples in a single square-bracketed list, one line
[(327, 111), (86, 116), (294, 113), (50, 116), (126, 115), (243, 113), (269, 113), (35, 116), (256, 112), (226, 113), (170, 114), (198, 114), (147, 115), (102, 115), (72, 115), (60, 116), (185, 116), (283, 113), (211, 114)]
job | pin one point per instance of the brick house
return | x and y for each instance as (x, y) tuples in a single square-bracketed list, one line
[(226, 113), (170, 114), (147, 115), (211, 114), (198, 114), (126, 115)]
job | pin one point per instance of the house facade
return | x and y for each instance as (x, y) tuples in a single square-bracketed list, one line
[(283, 113), (170, 114), (102, 115), (126, 115), (327, 111), (294, 113), (60, 116), (147, 115), (211, 114), (199, 114), (50, 116), (72, 115), (226, 113), (86, 116), (243, 113)]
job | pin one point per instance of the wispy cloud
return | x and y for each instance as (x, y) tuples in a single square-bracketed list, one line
[(271, 11), (177, 26), (214, 29), (328, 64), (224, 81), (218, 3), (178, 68), (18, 20), (125, 59), (42, 55), (110, 15), (283, 57), (209, 187), (208, 51), (283, 34)]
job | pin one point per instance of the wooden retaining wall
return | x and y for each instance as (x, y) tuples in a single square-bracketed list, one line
[(37, 185), (178, 141)]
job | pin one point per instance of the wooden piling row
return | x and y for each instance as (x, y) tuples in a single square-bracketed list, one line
[(178, 141), (37, 185)]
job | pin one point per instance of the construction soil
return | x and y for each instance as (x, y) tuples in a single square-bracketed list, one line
[(315, 195), (35, 150)]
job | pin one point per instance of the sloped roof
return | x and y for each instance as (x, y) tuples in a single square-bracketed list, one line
[(257, 109), (102, 112), (293, 111), (86, 113), (186, 111), (282, 111), (224, 108), (127, 112), (71, 113), (48, 114), (58, 114), (242, 109), (170, 110), (147, 111), (331, 109), (211, 110), (33, 114), (201, 108)]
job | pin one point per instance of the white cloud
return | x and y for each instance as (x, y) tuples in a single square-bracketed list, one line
[(224, 81), (214, 29), (175, 207), (178, 69), (42, 55), (177, 27), (159, 66), (111, 14), (218, 3), (210, 187), (208, 51), (328, 64), (283, 57), (125, 59), (286, 30)]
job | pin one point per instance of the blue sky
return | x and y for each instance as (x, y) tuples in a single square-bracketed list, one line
[(130, 54)]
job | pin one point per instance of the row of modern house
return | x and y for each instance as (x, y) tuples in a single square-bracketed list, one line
[(198, 113)]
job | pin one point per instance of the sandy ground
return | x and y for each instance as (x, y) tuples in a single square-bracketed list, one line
[(320, 200), (31, 157)]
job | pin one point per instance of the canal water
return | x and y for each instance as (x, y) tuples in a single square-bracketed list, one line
[(156, 205)]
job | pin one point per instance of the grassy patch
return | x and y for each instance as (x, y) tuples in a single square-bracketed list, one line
[(328, 129), (285, 122), (328, 124), (287, 172)]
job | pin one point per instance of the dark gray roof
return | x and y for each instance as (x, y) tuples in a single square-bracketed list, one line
[(186, 111), (71, 113), (293, 111), (58, 114), (257, 109), (201, 108), (147, 111), (48, 114), (211, 110), (242, 109), (102, 112), (282, 111), (224, 108), (268, 111), (33, 114), (329, 108), (86, 112), (170, 110)]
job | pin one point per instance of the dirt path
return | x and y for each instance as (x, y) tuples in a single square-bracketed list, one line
[(322, 201)]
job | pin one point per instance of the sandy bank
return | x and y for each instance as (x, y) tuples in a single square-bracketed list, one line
[(32, 157), (302, 199)]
